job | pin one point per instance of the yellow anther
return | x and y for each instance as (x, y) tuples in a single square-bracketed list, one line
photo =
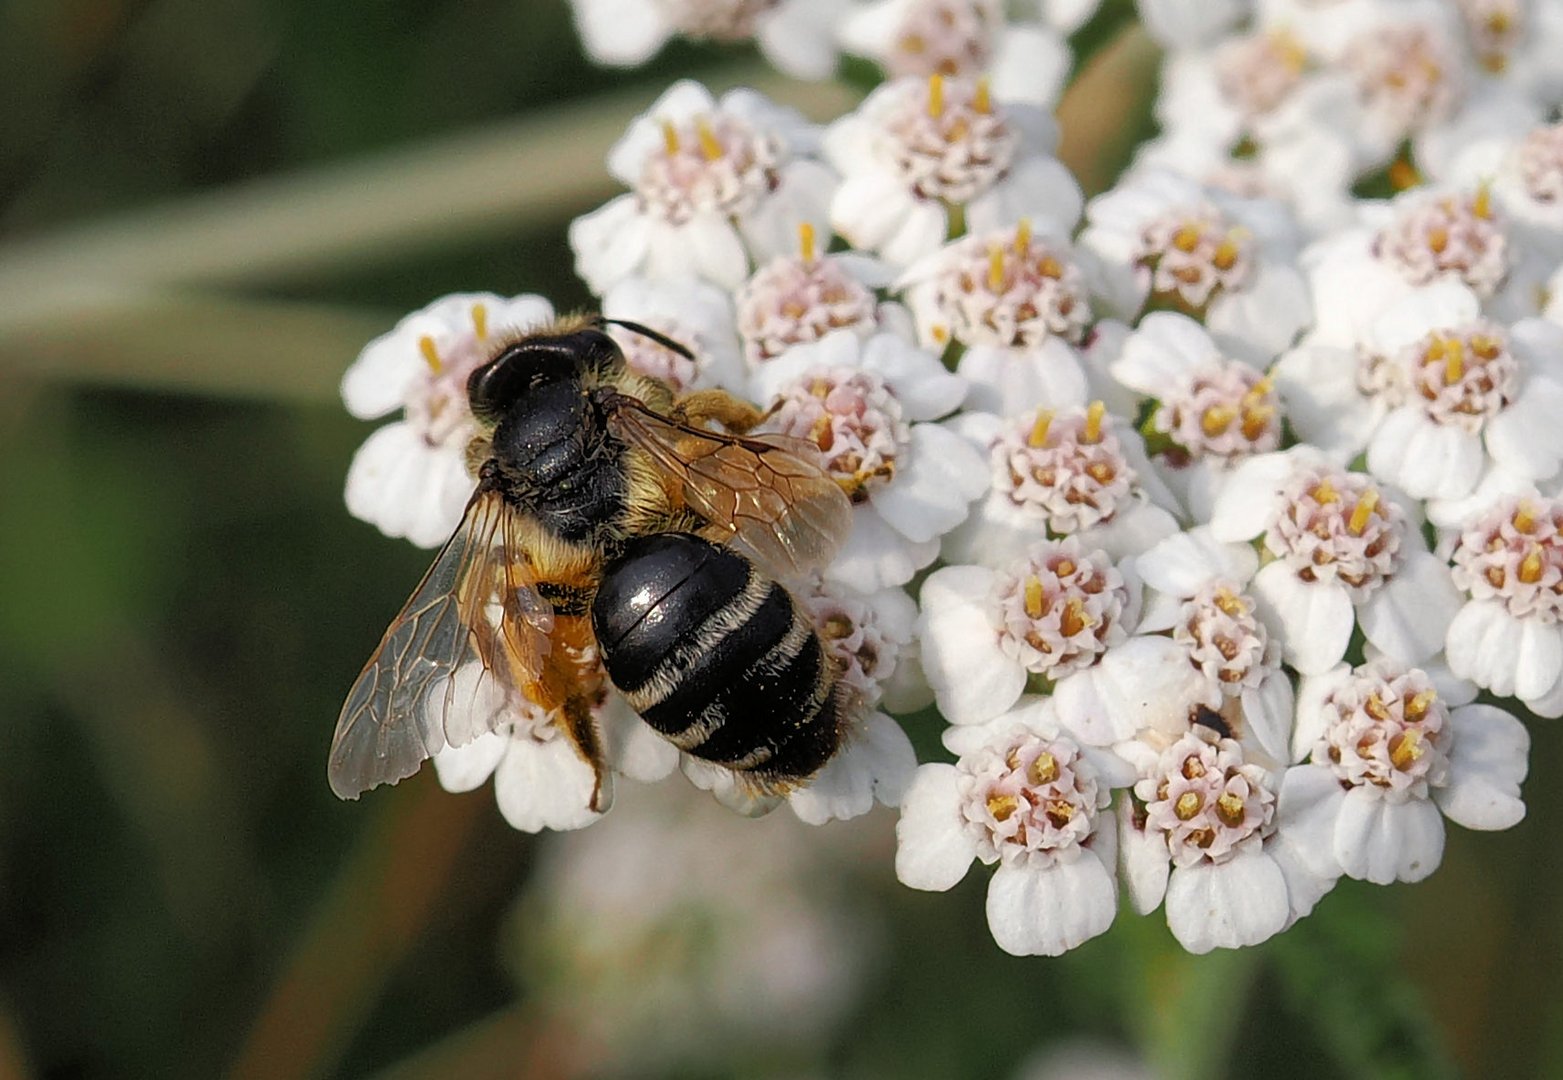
[(1036, 601), (1375, 708), (1403, 175), (430, 354), (1217, 419), (1044, 770), (1524, 517), (982, 100), (1188, 805), (1230, 809), (1256, 420), (1023, 236), (1002, 806), (936, 95), (1438, 239), (806, 241), (1225, 256), (1407, 748), (1454, 361), (1229, 602), (1260, 389), (1481, 205), (1050, 267), (1531, 565), (1038, 437), (1075, 618), (669, 137), (710, 145), (480, 320), (940, 333), (1187, 238), (996, 268), (1064, 568), (1362, 511), (1093, 421), (1417, 707), (1324, 492)]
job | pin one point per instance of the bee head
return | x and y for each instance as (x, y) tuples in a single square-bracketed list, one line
[(530, 363)]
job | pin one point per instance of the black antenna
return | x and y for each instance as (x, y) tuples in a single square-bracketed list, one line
[(661, 339)]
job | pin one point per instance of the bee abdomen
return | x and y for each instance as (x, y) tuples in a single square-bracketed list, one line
[(716, 657)]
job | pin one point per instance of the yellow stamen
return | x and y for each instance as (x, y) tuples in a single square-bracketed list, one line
[(1362, 511), (1531, 565), (1217, 419), (936, 96), (1044, 770), (996, 268), (982, 101), (669, 137), (1064, 568), (1002, 806), (1186, 239), (1255, 421), (430, 353), (1228, 602), (1188, 805), (710, 145), (1225, 256), (1324, 493), (1259, 389), (480, 320), (1481, 205), (1075, 618), (940, 333), (806, 241), (1229, 808), (1374, 707), (1524, 517), (1038, 437), (1417, 707), (1023, 237), (1036, 602), (1454, 361), (1406, 749), (1093, 421)]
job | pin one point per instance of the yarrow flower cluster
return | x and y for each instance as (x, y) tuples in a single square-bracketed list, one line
[(1200, 511)]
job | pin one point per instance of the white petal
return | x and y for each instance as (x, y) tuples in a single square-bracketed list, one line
[(1526, 438), (1086, 713), (1243, 509), (610, 243), (1425, 458), (877, 762), (1047, 912), (544, 785), (619, 34), (935, 481), (1483, 645), (876, 556), (869, 209), (1488, 760), (933, 848), (1409, 615), (631, 745), (1040, 188), (1143, 861), (1312, 619), (1307, 810), (1380, 841), (1010, 381), (463, 768), (1148, 682), (1268, 710), (1313, 712), (1030, 66), (1259, 322), (971, 677), (1183, 563), (1241, 902)]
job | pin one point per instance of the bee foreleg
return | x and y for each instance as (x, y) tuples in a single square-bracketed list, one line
[(734, 414)]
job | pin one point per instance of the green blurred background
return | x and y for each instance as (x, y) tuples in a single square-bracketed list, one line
[(206, 208)]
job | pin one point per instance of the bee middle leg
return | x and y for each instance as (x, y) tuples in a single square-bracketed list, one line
[(734, 414)]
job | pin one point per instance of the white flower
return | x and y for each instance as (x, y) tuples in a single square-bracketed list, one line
[(1027, 796), (1017, 304), (1507, 637), (1387, 761), (1184, 24), (915, 147), (798, 36), (410, 477), (540, 779), (1524, 173), (868, 406), (1197, 835), (1196, 595), (1056, 616), (1345, 553), (693, 313), (1211, 411), (716, 183), (1227, 261), (1027, 61), (1075, 472)]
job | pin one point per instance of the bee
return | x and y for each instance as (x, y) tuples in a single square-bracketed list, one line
[(615, 534)]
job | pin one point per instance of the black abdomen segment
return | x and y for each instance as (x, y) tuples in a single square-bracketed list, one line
[(716, 657)]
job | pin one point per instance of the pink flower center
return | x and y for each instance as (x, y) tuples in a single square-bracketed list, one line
[(1060, 609), (1514, 553), (856, 636), (1541, 164), (657, 361), (721, 20), (1030, 797), (854, 419), (1258, 72), (1208, 802), (1464, 377), (793, 301), (1068, 469), (1386, 729), (1334, 525), (1495, 28), (1009, 289), (944, 37), (713, 164), (1224, 410), (1449, 235), (1405, 75), (1193, 254), (946, 140), (1224, 638)]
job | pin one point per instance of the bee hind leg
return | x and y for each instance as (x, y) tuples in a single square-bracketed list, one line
[(734, 414), (581, 727)]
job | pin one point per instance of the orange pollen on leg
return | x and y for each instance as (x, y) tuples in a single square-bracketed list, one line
[(1189, 804), (710, 145), (1075, 618), (1406, 749), (1229, 808), (936, 96), (1036, 600), (996, 268), (1217, 419), (1531, 565), (669, 137), (1044, 770), (1093, 421), (1038, 437), (806, 241), (431, 355), (480, 320), (1362, 512), (1002, 806)]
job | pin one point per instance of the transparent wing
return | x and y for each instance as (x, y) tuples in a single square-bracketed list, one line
[(474, 631), (767, 491)]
